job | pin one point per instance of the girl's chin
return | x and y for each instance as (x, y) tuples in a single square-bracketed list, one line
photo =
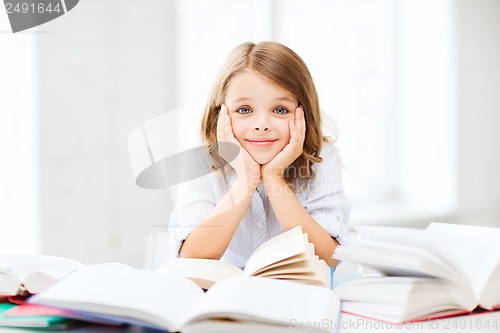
[(263, 158), (262, 161)]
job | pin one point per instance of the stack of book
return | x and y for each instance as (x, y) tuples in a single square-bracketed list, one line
[(438, 272), (22, 275), (33, 316)]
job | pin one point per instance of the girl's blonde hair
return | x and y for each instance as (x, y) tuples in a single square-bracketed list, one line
[(284, 67)]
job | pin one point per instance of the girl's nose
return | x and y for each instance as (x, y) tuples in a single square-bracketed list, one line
[(261, 123), (261, 128)]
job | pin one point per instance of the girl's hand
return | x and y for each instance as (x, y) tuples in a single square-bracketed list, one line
[(277, 166), (244, 165)]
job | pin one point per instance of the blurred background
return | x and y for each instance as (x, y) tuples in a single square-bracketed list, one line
[(412, 86)]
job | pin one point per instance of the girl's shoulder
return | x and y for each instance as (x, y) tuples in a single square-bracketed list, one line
[(330, 164), (197, 159), (196, 173), (206, 166), (195, 163), (329, 152)]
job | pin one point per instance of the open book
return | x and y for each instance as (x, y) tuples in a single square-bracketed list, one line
[(22, 274), (161, 300), (288, 256), (441, 271)]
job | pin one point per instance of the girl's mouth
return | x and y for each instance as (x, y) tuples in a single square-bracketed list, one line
[(262, 143)]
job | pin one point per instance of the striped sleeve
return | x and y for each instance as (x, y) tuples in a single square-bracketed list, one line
[(326, 201)]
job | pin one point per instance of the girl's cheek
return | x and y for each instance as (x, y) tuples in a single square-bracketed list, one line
[(238, 126)]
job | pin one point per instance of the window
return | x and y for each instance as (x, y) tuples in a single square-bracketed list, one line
[(19, 195), (384, 73)]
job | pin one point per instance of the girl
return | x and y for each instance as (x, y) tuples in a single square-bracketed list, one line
[(285, 172)]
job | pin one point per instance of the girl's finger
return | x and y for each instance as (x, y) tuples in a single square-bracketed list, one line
[(293, 133), (224, 123), (220, 125), (301, 124), (228, 129)]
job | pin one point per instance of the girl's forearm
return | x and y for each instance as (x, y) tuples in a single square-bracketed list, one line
[(211, 237), (290, 213)]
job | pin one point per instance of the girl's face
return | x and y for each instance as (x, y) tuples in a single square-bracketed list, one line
[(260, 112)]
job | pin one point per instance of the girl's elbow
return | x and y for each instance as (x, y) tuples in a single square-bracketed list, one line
[(331, 262), (187, 252)]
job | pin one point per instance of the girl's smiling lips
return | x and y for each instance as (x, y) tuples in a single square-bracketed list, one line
[(261, 142)]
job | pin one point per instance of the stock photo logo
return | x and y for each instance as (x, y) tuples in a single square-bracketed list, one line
[(26, 14)]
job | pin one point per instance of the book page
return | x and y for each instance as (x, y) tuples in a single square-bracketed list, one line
[(490, 296), (34, 271), (9, 285), (117, 291), (267, 301), (38, 281), (299, 258), (322, 272), (303, 260), (300, 267), (395, 259), (285, 245), (394, 235), (398, 299), (205, 272), (319, 275), (309, 270), (473, 250), (20, 265)]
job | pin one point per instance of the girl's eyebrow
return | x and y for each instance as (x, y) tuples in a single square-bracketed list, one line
[(278, 99)]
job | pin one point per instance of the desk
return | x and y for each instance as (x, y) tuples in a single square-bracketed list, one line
[(485, 322)]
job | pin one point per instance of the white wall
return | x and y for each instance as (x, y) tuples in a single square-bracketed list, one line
[(478, 110), (104, 68), (19, 177)]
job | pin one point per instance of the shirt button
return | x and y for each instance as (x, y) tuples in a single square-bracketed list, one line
[(259, 225)]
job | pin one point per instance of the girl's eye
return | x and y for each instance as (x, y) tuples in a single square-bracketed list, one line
[(244, 110), (281, 110)]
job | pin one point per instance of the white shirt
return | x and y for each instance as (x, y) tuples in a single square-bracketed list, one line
[(323, 199)]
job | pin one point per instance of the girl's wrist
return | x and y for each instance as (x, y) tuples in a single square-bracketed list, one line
[(248, 185), (271, 179), (276, 186), (271, 173)]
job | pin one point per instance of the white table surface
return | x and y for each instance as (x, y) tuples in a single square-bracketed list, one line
[(484, 322)]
